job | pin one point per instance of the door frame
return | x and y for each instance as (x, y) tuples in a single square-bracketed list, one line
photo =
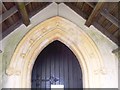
[(63, 30)]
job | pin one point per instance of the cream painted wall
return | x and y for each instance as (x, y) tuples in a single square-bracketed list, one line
[(109, 79)]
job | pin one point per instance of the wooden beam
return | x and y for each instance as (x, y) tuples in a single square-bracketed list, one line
[(5, 9), (95, 24), (110, 17), (77, 10), (105, 32), (90, 4), (8, 14), (107, 15), (116, 50), (23, 13), (94, 13)]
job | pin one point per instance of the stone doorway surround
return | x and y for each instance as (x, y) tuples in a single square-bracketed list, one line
[(55, 28)]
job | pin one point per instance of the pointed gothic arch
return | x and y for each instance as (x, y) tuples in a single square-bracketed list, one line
[(56, 28)]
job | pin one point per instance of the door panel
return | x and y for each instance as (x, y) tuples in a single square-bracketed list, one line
[(57, 65)]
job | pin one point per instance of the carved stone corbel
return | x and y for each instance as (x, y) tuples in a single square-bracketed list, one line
[(100, 71), (31, 41), (23, 55), (12, 71), (103, 71)]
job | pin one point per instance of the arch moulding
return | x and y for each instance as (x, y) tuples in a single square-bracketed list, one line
[(56, 28)]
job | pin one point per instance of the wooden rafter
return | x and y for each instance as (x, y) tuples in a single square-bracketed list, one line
[(23, 13), (90, 4), (109, 35), (8, 13), (94, 13), (107, 15), (99, 27), (77, 10), (110, 17), (5, 9)]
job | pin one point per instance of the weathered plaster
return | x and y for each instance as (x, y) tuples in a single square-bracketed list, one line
[(104, 45), (56, 28), (10, 42)]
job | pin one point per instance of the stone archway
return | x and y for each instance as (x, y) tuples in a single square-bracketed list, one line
[(56, 28)]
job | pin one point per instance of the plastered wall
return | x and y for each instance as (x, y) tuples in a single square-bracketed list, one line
[(103, 43)]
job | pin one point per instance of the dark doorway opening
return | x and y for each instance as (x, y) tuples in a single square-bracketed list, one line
[(56, 65)]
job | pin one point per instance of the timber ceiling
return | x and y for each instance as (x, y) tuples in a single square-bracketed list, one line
[(103, 15)]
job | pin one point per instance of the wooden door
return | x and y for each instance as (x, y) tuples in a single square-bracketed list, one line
[(56, 65)]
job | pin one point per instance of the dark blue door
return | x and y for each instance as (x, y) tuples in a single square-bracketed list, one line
[(56, 65)]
